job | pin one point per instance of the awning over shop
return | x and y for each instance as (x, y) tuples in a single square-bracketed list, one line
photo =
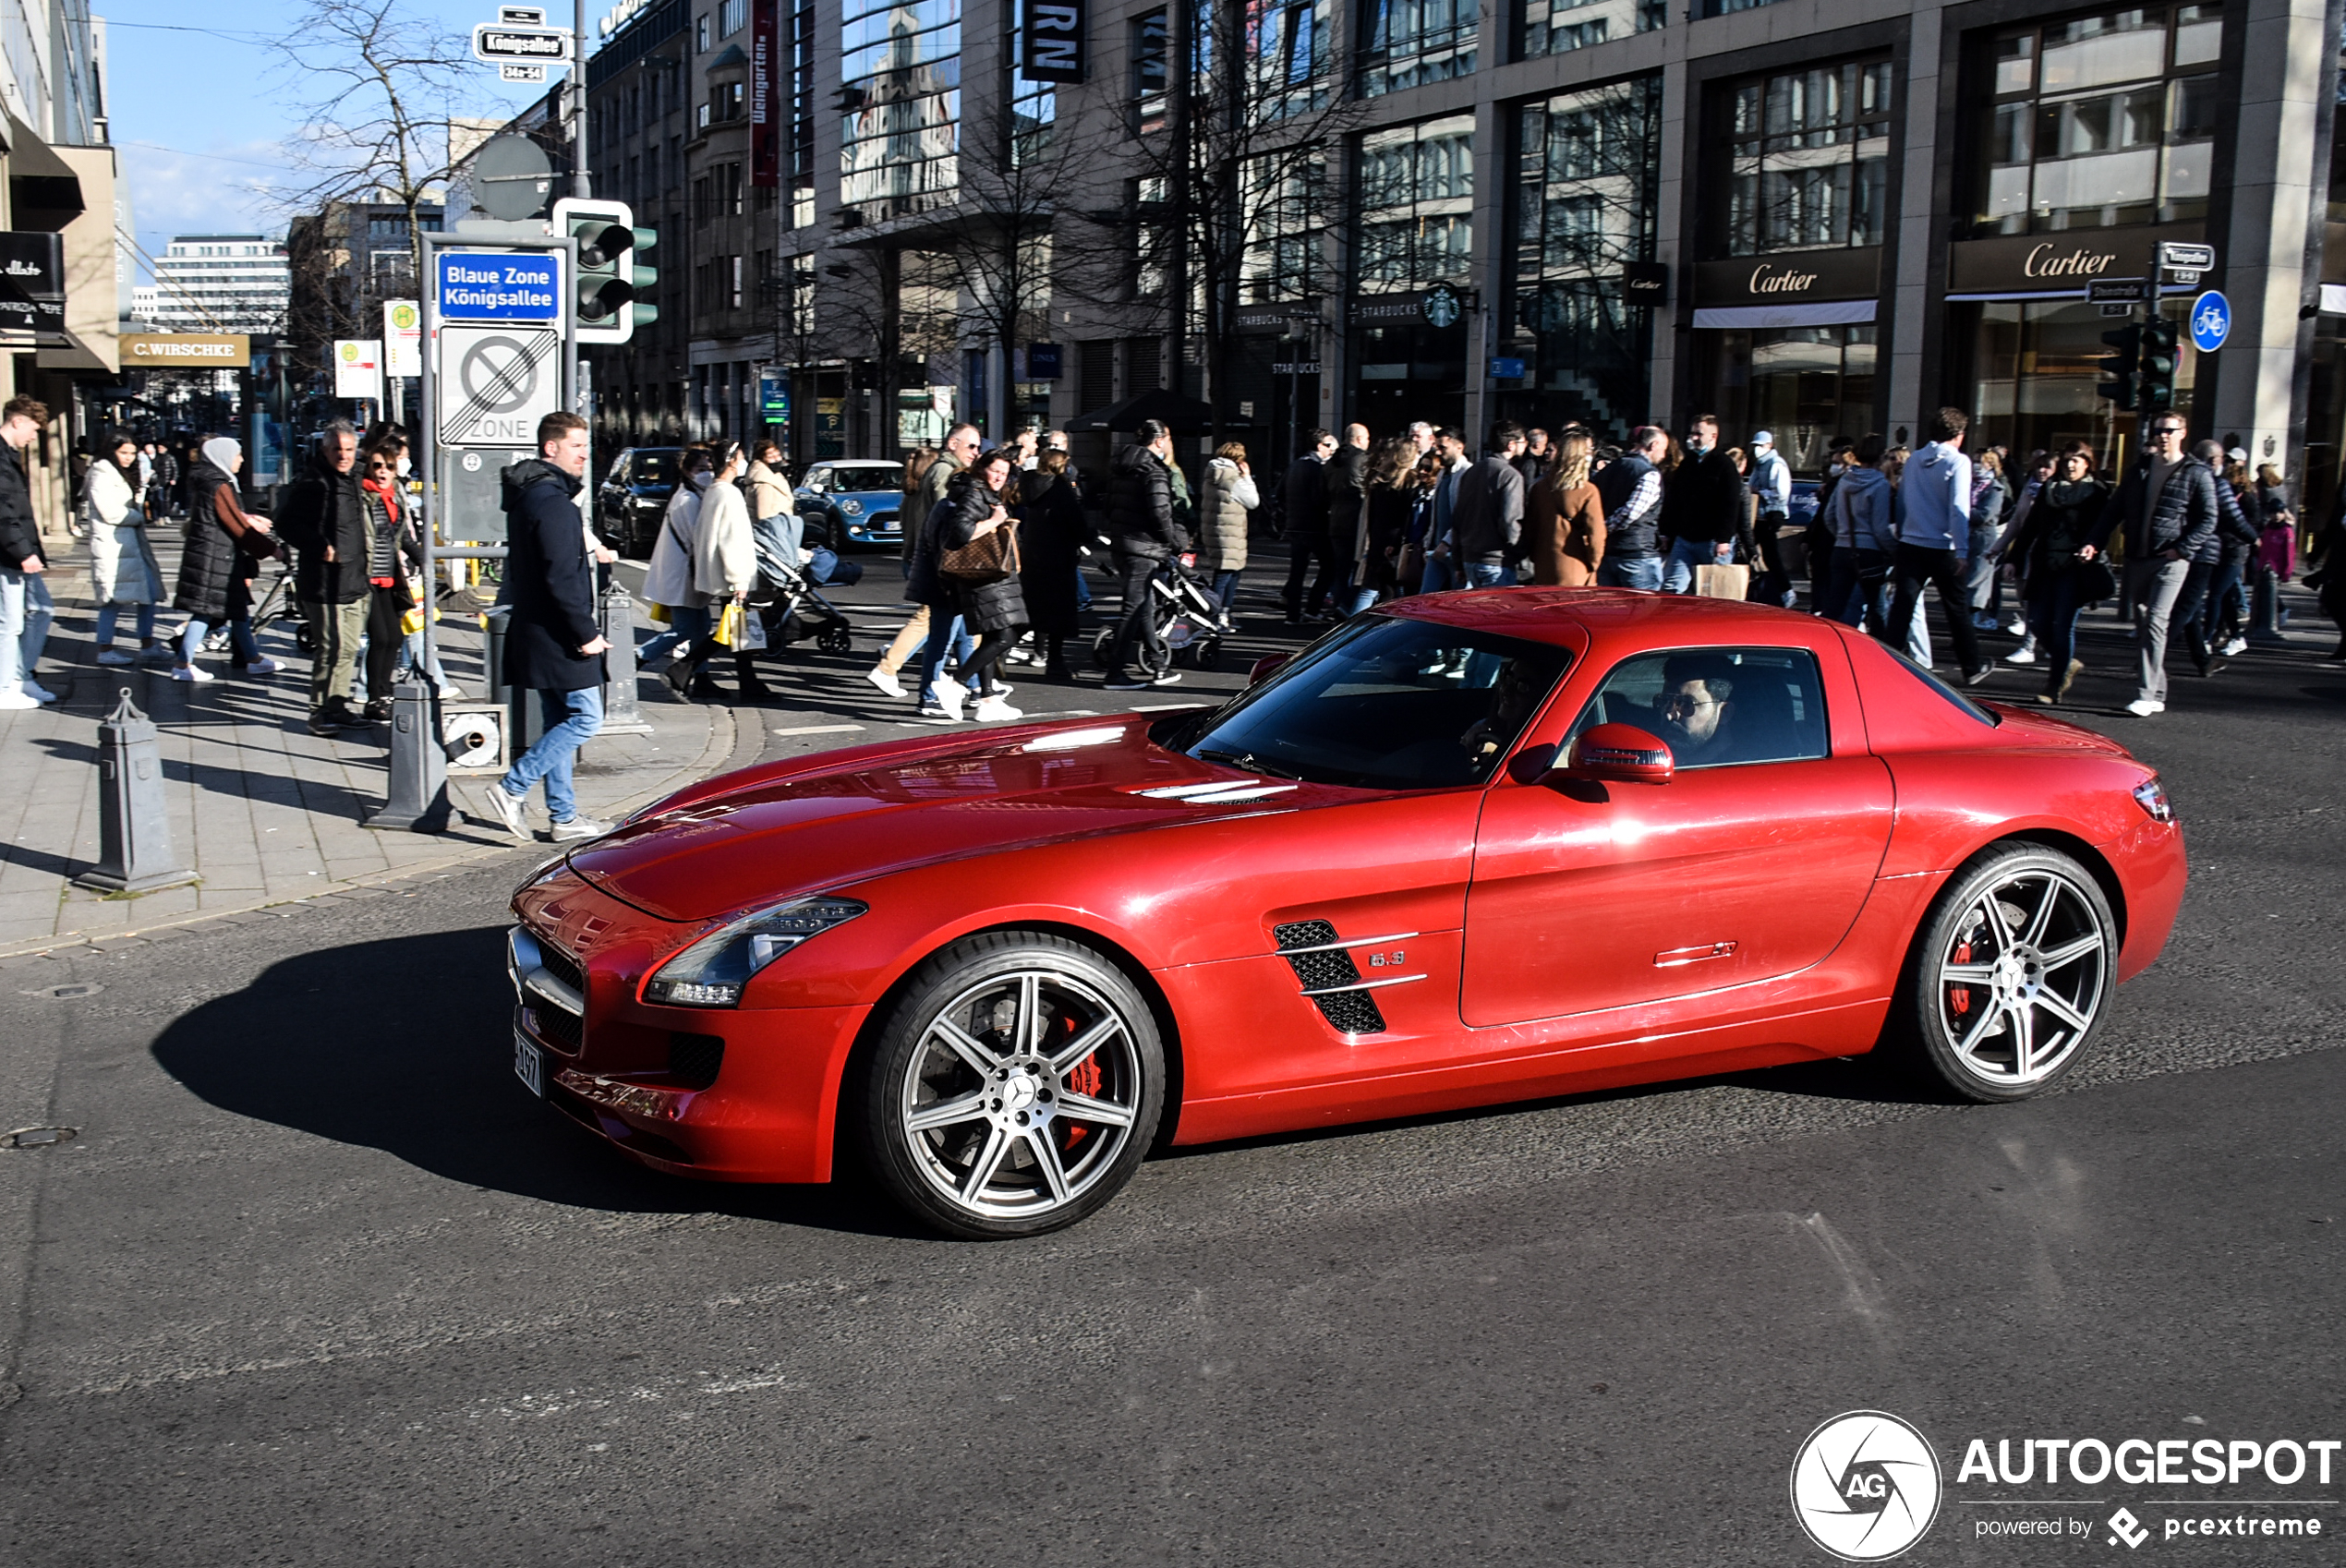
[(1811, 313)]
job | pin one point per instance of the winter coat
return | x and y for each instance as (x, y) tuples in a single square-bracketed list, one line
[(550, 583), (1384, 527), (1051, 531), (1229, 496), (222, 549), (1632, 508), (668, 576), (1934, 499), (1304, 498), (121, 560), (162, 484), (1861, 512), (2064, 517), (1140, 507), (769, 493), (20, 533), (952, 522), (912, 516), (2236, 531), (2181, 516), (320, 509), (1347, 479), (1566, 535), (1772, 482), (1702, 499), (1486, 525), (725, 553), (2276, 549)]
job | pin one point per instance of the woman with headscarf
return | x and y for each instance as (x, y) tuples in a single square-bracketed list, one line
[(225, 549), (122, 563)]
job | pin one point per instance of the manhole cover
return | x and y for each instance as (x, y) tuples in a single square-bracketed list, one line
[(67, 992)]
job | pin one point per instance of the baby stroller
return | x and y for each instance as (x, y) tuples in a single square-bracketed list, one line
[(1187, 625), (794, 609)]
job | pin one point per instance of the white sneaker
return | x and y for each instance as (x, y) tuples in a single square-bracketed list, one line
[(2021, 655), (947, 695), (262, 667), (191, 672), (994, 710), (18, 701), (500, 805), (885, 681), (2143, 708), (115, 658), (2018, 627), (39, 693), (451, 693), (1002, 689), (2235, 647), (578, 828)]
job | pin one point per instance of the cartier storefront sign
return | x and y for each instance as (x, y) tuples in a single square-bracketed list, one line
[(2059, 264), (1792, 278)]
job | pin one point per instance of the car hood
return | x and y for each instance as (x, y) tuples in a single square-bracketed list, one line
[(831, 822)]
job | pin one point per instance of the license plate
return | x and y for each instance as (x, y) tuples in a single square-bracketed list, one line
[(530, 1064)]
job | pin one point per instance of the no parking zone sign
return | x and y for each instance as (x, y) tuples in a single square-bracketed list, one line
[(495, 383)]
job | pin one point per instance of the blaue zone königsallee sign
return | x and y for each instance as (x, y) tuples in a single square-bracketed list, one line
[(487, 285)]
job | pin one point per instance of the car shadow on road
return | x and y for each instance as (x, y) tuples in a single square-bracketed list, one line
[(403, 1044)]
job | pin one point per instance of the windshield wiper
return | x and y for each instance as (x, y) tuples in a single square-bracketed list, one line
[(1249, 762)]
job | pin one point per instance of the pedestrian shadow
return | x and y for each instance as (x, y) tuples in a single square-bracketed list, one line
[(405, 1044)]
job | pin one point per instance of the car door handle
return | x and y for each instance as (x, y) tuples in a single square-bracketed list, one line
[(1695, 955)]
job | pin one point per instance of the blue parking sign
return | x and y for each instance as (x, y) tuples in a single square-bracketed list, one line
[(492, 286), (2211, 321)]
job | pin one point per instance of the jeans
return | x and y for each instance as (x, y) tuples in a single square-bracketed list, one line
[(1677, 573), (337, 628), (1487, 573), (685, 622), (109, 614), (2151, 589), (1439, 578), (242, 649), (1137, 630), (1837, 595), (571, 720), (946, 632), (26, 608), (1919, 566), (2053, 614), (1226, 590), (1630, 572), (2224, 613)]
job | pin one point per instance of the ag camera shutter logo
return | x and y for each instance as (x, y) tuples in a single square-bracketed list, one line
[(1866, 1486)]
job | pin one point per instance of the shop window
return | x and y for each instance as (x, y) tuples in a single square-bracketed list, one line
[(2100, 121), (1417, 201), (1810, 158), (2036, 366), (1807, 385), (1410, 43)]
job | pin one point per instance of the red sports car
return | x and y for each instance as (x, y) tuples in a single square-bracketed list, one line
[(1468, 848)]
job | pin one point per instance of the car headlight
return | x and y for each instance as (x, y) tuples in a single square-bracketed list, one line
[(712, 971), (852, 507)]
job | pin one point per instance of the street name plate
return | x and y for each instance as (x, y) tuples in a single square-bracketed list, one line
[(493, 42), (2118, 290), (490, 285)]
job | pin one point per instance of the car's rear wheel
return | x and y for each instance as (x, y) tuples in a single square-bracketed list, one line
[(1015, 1087), (2014, 974)]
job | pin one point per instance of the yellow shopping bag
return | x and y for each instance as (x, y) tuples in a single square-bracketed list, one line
[(729, 626), (657, 614)]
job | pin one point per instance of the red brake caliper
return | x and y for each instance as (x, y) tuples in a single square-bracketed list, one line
[(1959, 996), (1083, 1080)]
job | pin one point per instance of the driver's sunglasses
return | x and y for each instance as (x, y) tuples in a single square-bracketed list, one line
[(1681, 703)]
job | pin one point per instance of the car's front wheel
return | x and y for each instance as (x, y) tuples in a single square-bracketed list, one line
[(2012, 976), (1014, 1089)]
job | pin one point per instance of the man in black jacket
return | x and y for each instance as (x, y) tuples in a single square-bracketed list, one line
[(1303, 496), (1140, 521), (324, 517), (24, 593), (1631, 487), (1486, 525), (554, 643), (1700, 502), (2167, 505)]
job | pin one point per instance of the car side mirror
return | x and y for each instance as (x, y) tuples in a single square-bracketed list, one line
[(1618, 754), (1266, 667)]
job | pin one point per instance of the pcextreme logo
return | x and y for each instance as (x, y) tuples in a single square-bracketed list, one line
[(1866, 1486)]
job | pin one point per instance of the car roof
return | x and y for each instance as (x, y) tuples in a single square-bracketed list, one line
[(1570, 617)]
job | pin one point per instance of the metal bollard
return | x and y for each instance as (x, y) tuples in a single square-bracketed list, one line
[(418, 800), (2267, 608), (134, 829), (621, 713)]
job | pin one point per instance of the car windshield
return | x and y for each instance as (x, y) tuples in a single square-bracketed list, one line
[(1384, 703), (652, 468), (867, 477)]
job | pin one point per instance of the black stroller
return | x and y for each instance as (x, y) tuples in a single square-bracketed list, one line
[(791, 602), (1188, 621)]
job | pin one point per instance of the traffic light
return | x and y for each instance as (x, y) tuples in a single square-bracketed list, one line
[(2158, 366), (609, 280), (2122, 366)]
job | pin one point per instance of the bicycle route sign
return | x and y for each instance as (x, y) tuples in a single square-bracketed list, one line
[(495, 383)]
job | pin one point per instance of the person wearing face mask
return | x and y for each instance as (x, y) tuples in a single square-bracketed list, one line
[(668, 576), (724, 569), (390, 558), (1701, 507)]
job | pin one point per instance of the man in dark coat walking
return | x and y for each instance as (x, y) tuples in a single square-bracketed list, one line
[(324, 517), (1141, 522), (1304, 497), (25, 601), (553, 644)]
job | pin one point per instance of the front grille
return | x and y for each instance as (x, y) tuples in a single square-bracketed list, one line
[(1348, 1012), (694, 1059), (564, 1031), (562, 966)]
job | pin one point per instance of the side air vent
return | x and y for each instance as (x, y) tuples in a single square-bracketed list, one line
[(1329, 976)]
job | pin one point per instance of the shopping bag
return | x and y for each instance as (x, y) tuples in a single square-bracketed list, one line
[(1721, 581), (729, 626), (657, 614), (753, 632)]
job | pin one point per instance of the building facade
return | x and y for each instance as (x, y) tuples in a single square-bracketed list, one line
[(1823, 217), (218, 283)]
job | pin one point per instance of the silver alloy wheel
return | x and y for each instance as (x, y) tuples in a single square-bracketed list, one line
[(2022, 977), (1021, 1094)]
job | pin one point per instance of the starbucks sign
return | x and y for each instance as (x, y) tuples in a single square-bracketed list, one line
[(1441, 306)]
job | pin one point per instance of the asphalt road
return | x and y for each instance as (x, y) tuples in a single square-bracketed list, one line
[(318, 1282)]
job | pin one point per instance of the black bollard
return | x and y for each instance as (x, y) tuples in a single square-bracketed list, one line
[(134, 826), (621, 713), (418, 800)]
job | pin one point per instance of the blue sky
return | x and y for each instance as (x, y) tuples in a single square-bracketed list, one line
[(201, 113)]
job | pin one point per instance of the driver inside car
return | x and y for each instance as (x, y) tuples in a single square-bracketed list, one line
[(1516, 691), (1697, 710)]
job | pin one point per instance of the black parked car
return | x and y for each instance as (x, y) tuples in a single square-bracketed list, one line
[(634, 498)]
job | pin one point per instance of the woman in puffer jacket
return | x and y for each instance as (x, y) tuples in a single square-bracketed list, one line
[(122, 563), (1230, 494)]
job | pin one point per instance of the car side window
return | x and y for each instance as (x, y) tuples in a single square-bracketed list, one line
[(818, 479), (1719, 707)]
